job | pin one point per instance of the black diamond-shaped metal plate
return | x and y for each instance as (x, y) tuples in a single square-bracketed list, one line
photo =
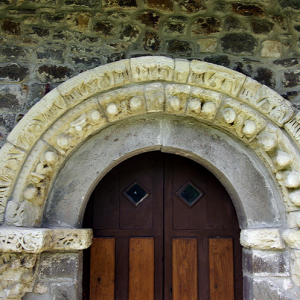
[(136, 193), (190, 194)]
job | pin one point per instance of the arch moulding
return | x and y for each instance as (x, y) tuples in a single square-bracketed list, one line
[(246, 112)]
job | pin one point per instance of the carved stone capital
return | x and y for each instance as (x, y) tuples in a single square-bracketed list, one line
[(37, 240)]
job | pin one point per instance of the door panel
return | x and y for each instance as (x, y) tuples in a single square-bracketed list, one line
[(170, 234)]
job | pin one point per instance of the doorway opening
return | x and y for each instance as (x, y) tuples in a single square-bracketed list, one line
[(164, 228)]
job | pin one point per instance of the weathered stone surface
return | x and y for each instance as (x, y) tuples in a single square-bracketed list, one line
[(290, 3), (11, 27), (291, 79), (208, 45), (295, 266), (150, 19), (266, 289), (191, 6), (261, 26), (279, 20), (160, 4), (130, 33), (175, 26), (66, 290), (56, 18), (12, 97), (17, 274), (90, 3), (221, 60), (8, 122), (36, 91), (265, 76), (293, 219), (117, 3), (262, 239), (206, 26), (271, 48), (238, 43), (232, 24), (287, 62), (181, 48), (85, 62), (39, 31), (8, 53), (105, 28), (151, 41), (266, 263), (47, 53), (54, 73), (248, 10), (13, 73), (109, 58), (246, 70), (292, 238)]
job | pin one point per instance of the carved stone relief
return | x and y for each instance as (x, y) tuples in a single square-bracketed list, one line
[(82, 106), (17, 274)]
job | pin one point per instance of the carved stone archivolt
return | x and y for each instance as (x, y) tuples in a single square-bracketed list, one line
[(81, 107)]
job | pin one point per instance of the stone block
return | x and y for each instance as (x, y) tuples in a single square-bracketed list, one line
[(13, 73), (160, 4), (150, 19), (292, 238), (8, 53), (175, 26), (262, 239), (105, 28), (266, 263), (261, 26), (191, 6), (54, 73), (266, 77), (290, 3), (271, 48), (116, 3), (58, 267), (287, 62), (130, 33), (238, 43), (151, 41), (208, 45), (248, 10), (232, 24), (47, 53), (181, 48), (206, 26), (267, 289), (293, 219), (291, 79), (12, 97), (10, 27), (221, 60), (38, 31)]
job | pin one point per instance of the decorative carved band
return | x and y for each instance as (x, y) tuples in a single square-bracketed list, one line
[(37, 240)]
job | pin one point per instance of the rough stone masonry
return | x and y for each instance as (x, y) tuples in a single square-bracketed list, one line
[(45, 42)]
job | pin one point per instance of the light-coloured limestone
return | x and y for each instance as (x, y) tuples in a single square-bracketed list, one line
[(240, 120), (271, 48), (155, 97), (292, 238), (293, 219), (17, 274), (216, 78), (208, 45), (176, 98), (262, 239), (37, 240), (266, 101), (157, 68), (182, 70)]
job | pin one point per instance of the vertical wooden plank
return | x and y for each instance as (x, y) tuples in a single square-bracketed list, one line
[(221, 269), (102, 280), (184, 264), (141, 268)]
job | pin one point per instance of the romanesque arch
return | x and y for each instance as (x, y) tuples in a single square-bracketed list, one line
[(219, 100)]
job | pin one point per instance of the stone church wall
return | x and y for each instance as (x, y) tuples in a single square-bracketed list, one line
[(45, 42)]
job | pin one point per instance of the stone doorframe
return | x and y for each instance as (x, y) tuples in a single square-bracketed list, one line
[(242, 131)]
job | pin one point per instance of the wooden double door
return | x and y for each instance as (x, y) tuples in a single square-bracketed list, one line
[(164, 228)]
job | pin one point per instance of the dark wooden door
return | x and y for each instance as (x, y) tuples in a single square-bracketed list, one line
[(164, 228)]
